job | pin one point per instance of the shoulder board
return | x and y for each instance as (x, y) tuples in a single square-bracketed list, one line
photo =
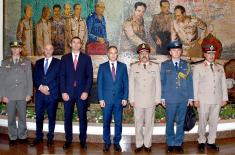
[(154, 62), (134, 63)]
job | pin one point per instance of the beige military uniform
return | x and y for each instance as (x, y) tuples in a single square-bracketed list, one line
[(133, 34), (24, 34), (144, 94), (16, 86), (75, 27), (43, 35), (210, 90), (187, 32)]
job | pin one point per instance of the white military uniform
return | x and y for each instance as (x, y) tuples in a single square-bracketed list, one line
[(210, 90)]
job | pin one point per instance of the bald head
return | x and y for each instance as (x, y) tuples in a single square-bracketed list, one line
[(48, 50)]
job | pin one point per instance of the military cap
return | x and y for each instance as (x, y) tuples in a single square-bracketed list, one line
[(211, 40), (143, 46), (209, 48), (174, 44), (16, 44)]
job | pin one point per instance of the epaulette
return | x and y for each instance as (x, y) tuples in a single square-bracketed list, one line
[(154, 62), (134, 63)]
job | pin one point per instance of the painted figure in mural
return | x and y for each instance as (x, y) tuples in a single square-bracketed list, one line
[(46, 82), (186, 28), (67, 10), (76, 26), (76, 75), (112, 86), (144, 95), (2, 78), (177, 93), (133, 32), (43, 30), (17, 91), (210, 94), (66, 16), (24, 32), (97, 30), (160, 29), (57, 31)]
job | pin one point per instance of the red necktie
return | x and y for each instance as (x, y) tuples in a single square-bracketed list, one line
[(75, 61), (113, 72)]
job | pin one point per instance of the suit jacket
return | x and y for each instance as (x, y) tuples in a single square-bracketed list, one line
[(18, 82), (82, 76), (51, 78), (175, 89), (144, 85), (108, 89), (209, 87)]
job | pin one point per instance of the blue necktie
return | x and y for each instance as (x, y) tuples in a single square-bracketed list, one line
[(46, 66), (176, 66)]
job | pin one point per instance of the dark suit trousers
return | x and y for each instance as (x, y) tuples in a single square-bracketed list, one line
[(109, 109), (68, 117), (43, 103)]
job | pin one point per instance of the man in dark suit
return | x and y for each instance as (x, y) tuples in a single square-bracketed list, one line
[(46, 82), (112, 83), (75, 83), (177, 93)]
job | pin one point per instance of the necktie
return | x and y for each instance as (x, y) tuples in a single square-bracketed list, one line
[(15, 61), (176, 66), (113, 72), (75, 61), (211, 65), (144, 66), (46, 66)]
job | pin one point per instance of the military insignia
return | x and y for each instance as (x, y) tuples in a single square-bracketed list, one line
[(143, 45), (212, 48)]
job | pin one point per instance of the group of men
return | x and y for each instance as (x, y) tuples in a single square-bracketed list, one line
[(172, 84), (164, 28), (58, 29)]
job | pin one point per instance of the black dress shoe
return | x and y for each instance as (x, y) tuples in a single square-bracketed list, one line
[(147, 149), (106, 147), (66, 145), (213, 147), (201, 147), (36, 142), (117, 148), (23, 141), (138, 149), (12, 142), (179, 149), (170, 149), (49, 143), (83, 145)]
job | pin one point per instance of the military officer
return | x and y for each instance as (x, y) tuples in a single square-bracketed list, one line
[(210, 93), (76, 26), (177, 92), (24, 32), (144, 95), (186, 29), (43, 31), (17, 92)]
